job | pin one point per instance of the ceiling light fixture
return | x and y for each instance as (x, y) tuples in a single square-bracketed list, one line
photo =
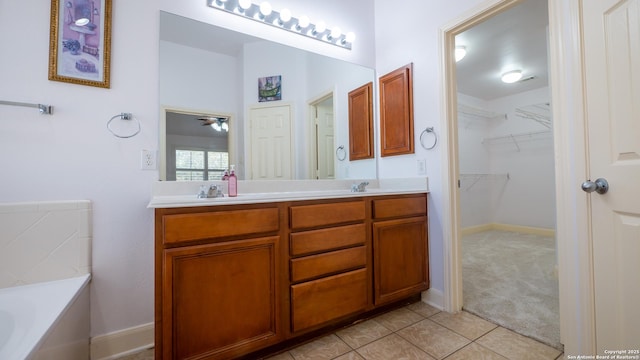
[(460, 53), (512, 76), (265, 14)]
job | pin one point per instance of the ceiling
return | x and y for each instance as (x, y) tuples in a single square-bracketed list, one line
[(512, 40)]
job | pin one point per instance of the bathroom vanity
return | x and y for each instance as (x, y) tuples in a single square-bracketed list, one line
[(236, 276)]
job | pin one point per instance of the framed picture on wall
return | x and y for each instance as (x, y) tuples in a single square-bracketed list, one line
[(270, 88), (80, 42)]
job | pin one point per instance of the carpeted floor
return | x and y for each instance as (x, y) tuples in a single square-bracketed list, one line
[(509, 279)]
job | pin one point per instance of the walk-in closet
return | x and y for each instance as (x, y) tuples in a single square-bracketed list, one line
[(506, 167)]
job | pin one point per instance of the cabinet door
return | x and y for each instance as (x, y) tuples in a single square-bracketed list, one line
[(396, 112), (361, 123), (400, 258), (220, 300)]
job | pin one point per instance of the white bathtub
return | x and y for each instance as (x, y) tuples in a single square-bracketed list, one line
[(48, 320)]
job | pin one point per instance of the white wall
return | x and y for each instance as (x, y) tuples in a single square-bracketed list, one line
[(527, 198), (71, 154), (407, 32)]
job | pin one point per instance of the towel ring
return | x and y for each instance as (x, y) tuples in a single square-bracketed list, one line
[(429, 130), (341, 153), (123, 116)]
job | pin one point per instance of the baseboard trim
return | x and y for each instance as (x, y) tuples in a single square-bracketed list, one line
[(508, 227), (122, 342), (434, 298)]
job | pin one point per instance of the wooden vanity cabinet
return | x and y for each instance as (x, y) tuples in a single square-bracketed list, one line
[(217, 285), (400, 250), (235, 280), (329, 273)]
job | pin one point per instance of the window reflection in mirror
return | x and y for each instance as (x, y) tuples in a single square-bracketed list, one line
[(196, 145)]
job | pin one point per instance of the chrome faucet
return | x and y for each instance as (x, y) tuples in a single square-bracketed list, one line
[(213, 191), (359, 187)]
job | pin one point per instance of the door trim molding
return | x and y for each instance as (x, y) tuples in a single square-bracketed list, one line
[(573, 213)]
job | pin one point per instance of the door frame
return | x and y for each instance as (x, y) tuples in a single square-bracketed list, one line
[(312, 147), (573, 236)]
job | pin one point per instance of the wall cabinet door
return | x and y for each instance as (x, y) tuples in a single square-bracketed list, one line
[(220, 300), (400, 258), (396, 112)]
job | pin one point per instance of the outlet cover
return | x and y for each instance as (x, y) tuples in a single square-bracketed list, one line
[(147, 160), (422, 167)]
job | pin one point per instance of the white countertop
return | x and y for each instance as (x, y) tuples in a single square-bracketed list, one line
[(170, 194)]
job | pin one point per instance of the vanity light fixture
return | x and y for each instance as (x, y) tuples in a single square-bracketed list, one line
[(264, 13), (460, 52), (512, 76)]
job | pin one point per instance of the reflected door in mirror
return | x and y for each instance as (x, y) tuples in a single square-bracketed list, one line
[(361, 123)]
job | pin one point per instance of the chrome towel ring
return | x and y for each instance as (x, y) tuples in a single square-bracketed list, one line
[(123, 116), (429, 130)]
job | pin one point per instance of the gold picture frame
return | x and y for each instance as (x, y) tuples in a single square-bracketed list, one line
[(80, 42)]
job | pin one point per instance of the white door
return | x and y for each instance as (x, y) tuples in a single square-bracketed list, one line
[(271, 143), (611, 38), (325, 160)]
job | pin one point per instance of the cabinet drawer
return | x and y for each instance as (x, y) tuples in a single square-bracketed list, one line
[(315, 241), (411, 206), (308, 216), (320, 301), (185, 227), (313, 266)]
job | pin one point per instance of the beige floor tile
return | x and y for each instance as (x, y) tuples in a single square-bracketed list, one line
[(281, 356), (350, 356), (398, 319), (474, 351), (392, 347), (516, 347), (327, 347), (464, 323), (435, 339), (363, 333), (423, 309)]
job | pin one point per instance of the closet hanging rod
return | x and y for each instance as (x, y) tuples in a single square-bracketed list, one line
[(512, 136), (44, 109)]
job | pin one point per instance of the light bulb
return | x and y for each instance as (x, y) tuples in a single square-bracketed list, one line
[(225, 126), (512, 76), (244, 4), (265, 8), (350, 37), (303, 22), (320, 27), (216, 126), (335, 33), (285, 16), (460, 53)]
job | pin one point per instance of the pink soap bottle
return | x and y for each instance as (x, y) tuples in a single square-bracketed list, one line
[(233, 183), (225, 176)]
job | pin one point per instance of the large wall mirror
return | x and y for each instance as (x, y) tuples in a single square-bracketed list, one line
[(208, 71)]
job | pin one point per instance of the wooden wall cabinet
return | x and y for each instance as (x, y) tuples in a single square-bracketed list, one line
[(361, 123), (396, 112)]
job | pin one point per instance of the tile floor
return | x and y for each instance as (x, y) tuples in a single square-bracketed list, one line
[(416, 331)]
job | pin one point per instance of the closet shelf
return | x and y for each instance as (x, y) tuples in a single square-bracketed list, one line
[(479, 113), (474, 178), (540, 113), (515, 137)]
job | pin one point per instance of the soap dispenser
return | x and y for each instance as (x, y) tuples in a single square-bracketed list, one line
[(233, 183)]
